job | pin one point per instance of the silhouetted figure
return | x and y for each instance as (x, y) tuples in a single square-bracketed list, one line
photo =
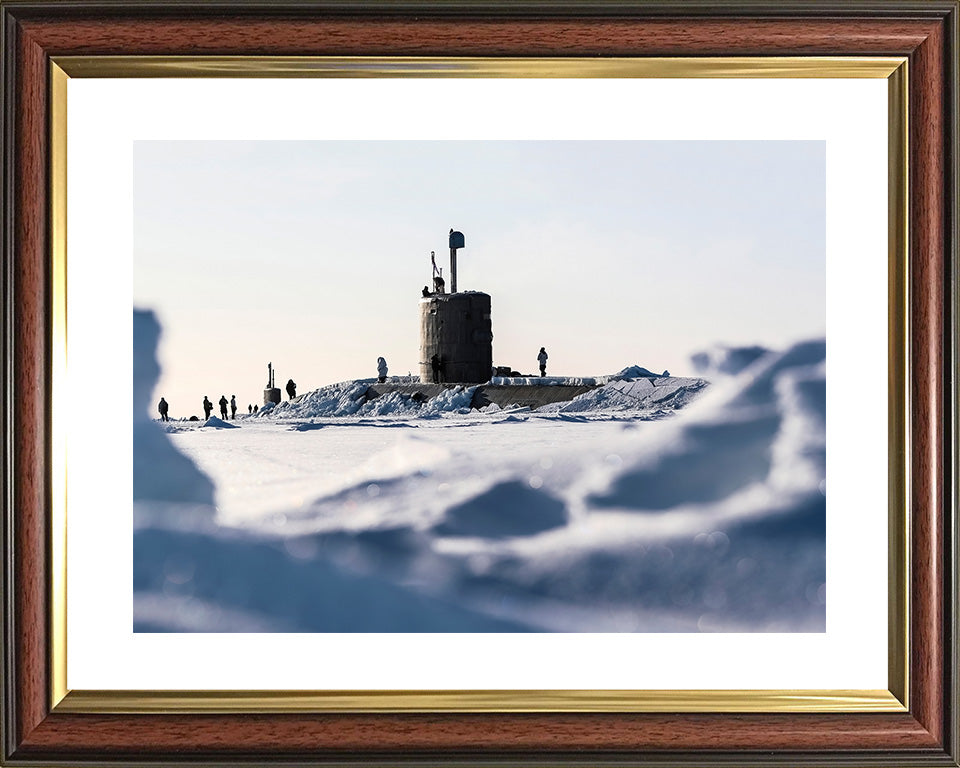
[(233, 406), (223, 406), (381, 370), (426, 292), (542, 359), (291, 389), (435, 365), (249, 408), (207, 408), (163, 407), (256, 407)]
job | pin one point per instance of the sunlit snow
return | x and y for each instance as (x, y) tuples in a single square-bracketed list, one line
[(650, 503)]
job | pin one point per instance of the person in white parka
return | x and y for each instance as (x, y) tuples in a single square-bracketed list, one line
[(542, 359), (381, 370)]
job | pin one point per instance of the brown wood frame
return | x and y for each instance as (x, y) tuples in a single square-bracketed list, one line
[(926, 32)]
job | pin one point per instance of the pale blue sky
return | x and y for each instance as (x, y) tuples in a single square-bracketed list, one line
[(312, 255)]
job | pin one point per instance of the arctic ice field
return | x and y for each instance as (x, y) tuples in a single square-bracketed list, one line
[(649, 504)]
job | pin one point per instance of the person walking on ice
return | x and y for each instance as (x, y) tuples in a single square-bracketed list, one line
[(163, 408), (381, 370), (542, 359), (233, 406), (207, 408), (223, 406)]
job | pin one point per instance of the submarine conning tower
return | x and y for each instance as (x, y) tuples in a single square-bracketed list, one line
[(456, 335)]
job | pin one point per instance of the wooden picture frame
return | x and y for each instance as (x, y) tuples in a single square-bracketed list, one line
[(39, 728)]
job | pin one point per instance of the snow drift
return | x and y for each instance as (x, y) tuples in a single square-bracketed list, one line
[(155, 461), (639, 393), (634, 389), (507, 520)]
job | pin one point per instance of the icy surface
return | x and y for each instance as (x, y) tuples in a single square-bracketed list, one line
[(639, 394), (634, 389), (216, 423), (662, 504), (349, 399), (726, 360), (635, 372)]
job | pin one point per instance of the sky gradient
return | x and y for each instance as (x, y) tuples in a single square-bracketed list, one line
[(312, 255)]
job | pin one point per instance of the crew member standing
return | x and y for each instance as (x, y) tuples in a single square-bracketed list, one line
[(381, 370), (163, 407), (207, 407), (233, 406), (542, 359), (223, 406), (291, 389)]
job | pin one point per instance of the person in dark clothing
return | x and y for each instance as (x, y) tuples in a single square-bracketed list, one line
[(233, 406), (163, 407), (435, 365), (207, 408), (291, 389), (542, 359), (223, 406), (426, 292), (256, 407), (249, 408)]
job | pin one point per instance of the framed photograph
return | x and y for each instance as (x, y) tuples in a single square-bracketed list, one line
[(480, 396)]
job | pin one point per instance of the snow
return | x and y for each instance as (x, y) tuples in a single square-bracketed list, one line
[(342, 399), (642, 394), (155, 460), (349, 399), (456, 400), (635, 372), (726, 360), (648, 504), (507, 509), (639, 394), (216, 423)]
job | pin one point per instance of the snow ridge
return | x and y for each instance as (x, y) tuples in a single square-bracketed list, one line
[(638, 394), (634, 390), (516, 520)]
